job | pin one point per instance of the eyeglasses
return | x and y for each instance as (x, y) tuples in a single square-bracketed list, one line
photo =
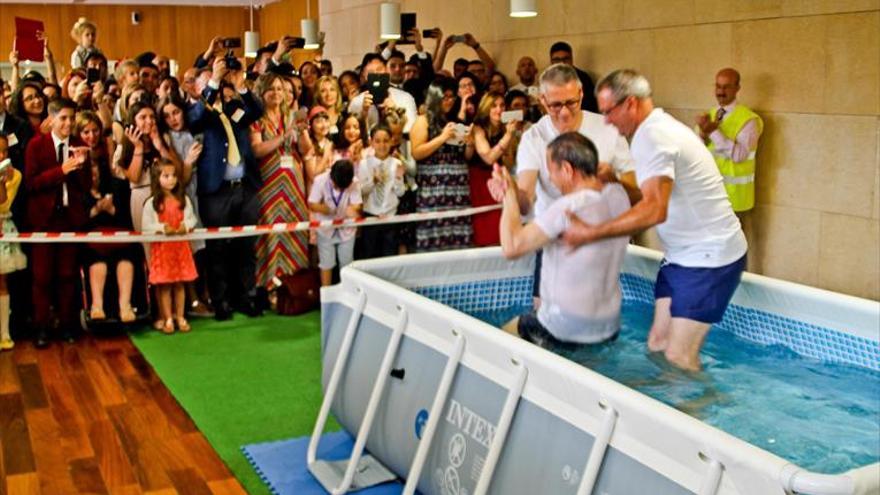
[(571, 105), (608, 111)]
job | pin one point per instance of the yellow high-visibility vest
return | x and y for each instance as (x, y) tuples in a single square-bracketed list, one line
[(739, 178)]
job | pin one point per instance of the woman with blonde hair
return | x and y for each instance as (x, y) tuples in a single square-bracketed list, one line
[(279, 144), (329, 96)]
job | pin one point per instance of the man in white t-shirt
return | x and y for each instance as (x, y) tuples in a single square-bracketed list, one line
[(561, 95), (580, 290), (683, 195), (363, 104)]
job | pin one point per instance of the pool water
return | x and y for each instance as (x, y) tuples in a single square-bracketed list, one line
[(824, 417)]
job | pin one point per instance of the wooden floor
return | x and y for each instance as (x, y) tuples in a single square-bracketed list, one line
[(93, 417)]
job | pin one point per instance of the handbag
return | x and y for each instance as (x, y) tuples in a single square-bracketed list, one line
[(299, 292)]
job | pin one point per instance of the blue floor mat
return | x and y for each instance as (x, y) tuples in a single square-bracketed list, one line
[(282, 465)]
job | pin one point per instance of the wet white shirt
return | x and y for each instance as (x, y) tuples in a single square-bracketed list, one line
[(580, 289)]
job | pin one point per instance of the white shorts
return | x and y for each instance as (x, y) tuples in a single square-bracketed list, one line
[(328, 249)]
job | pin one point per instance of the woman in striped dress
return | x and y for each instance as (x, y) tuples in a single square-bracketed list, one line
[(279, 144), (441, 172)]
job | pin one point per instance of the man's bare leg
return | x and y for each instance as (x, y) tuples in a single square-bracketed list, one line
[(686, 338), (512, 326), (658, 337)]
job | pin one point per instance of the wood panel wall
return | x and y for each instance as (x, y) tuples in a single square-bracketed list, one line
[(283, 18), (179, 32)]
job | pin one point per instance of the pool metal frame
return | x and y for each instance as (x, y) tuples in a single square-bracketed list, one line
[(705, 460)]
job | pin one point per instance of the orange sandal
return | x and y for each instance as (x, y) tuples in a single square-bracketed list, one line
[(183, 325), (168, 327)]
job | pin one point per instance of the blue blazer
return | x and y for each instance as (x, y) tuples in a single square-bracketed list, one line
[(203, 119)]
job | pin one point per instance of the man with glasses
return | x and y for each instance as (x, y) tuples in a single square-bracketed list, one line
[(683, 195), (560, 53), (561, 95)]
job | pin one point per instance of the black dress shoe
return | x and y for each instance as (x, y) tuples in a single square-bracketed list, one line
[(69, 336), (250, 308), (42, 340), (222, 311)]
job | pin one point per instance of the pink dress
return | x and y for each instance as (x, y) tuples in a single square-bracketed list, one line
[(171, 261)]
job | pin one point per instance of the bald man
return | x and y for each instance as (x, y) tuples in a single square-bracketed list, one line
[(731, 133), (527, 72)]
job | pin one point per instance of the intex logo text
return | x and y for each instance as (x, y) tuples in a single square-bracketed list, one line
[(470, 423)]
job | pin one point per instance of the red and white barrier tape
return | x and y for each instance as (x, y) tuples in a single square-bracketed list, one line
[(211, 233)]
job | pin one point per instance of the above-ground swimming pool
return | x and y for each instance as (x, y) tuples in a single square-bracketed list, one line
[(789, 400)]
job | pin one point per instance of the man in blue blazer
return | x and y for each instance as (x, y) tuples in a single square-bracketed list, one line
[(228, 181)]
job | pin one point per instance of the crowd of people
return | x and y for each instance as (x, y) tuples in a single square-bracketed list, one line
[(232, 143)]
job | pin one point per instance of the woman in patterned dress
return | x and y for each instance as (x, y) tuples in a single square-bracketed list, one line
[(441, 171), (279, 144)]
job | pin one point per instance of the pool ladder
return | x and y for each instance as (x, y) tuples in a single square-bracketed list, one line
[(358, 471), (361, 471)]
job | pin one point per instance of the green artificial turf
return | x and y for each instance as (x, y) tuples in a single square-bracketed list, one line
[(243, 381)]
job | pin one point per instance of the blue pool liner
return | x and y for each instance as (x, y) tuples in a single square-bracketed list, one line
[(282, 464)]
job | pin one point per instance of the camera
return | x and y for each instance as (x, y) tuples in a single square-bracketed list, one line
[(232, 63)]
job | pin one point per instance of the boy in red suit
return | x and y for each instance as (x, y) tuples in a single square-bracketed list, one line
[(57, 185)]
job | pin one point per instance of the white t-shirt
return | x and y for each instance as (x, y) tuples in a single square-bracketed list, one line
[(400, 97), (532, 152), (323, 191), (380, 197), (580, 289), (701, 229)]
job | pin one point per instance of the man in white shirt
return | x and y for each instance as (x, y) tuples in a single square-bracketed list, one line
[(684, 196), (561, 95), (363, 103), (580, 290)]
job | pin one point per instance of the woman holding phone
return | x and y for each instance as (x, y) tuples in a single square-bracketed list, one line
[(108, 206), (494, 142), (441, 152), (280, 139)]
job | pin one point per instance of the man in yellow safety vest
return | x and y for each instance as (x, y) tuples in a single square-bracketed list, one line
[(731, 133)]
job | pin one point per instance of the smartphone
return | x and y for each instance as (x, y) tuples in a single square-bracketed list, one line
[(458, 38), (300, 115), (93, 75), (428, 33), (461, 131), (377, 84), (5, 164), (295, 42), (231, 43), (511, 116), (407, 24)]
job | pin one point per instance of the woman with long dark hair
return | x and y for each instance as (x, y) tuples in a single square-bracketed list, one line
[(441, 171)]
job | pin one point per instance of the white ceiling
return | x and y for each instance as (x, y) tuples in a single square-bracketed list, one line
[(204, 3)]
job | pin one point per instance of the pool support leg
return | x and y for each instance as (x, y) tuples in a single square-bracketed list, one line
[(513, 395), (415, 471)]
